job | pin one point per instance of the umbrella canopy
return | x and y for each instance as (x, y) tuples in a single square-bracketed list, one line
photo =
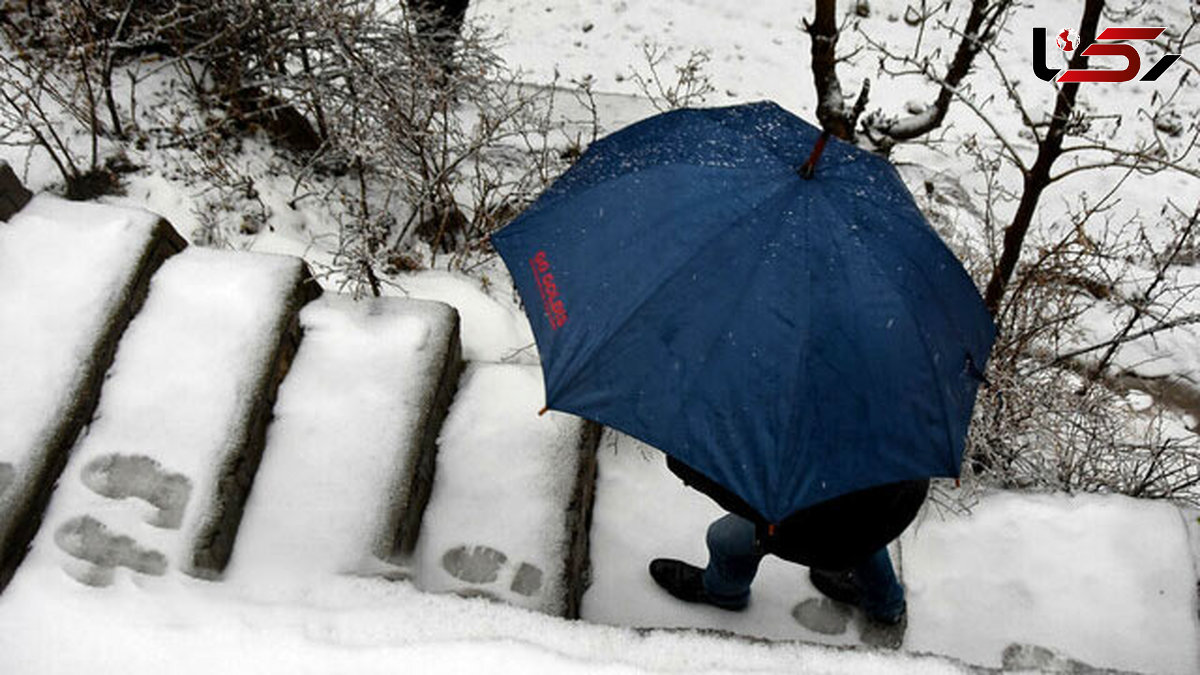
[(791, 339)]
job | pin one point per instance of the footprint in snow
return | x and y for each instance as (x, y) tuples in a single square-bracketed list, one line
[(828, 617), (483, 565), (121, 476), (822, 615), (101, 551)]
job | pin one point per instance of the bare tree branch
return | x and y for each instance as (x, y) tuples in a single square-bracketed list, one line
[(1037, 178)]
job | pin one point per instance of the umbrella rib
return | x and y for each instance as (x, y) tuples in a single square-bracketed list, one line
[(624, 322), (802, 366), (907, 302), (925, 231), (773, 477)]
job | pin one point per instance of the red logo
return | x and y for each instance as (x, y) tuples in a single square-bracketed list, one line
[(1067, 39), (1115, 45), (551, 303)]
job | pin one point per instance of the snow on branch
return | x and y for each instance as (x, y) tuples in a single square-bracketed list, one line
[(981, 28)]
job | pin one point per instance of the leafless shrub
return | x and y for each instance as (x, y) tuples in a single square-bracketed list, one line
[(441, 149), (51, 88), (1059, 413), (1042, 428), (689, 85), (419, 142)]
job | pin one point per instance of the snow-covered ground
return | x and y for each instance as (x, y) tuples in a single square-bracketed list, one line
[(1045, 582), (1024, 581), (360, 625), (497, 519), (1108, 581)]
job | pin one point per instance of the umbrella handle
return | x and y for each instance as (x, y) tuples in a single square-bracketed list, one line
[(807, 169)]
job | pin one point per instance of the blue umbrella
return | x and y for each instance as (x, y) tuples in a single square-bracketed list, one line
[(792, 339)]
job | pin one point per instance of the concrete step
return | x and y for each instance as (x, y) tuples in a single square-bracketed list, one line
[(644, 512), (509, 514), (159, 479), (1023, 581), (329, 502), (1105, 580), (72, 276)]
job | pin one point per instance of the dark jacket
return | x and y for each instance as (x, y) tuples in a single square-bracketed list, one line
[(833, 535)]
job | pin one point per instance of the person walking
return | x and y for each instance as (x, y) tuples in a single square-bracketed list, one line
[(843, 542)]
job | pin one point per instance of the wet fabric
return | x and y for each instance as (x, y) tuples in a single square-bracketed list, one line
[(791, 339)]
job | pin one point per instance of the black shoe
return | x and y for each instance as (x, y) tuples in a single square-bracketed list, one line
[(844, 587), (838, 586), (686, 582)]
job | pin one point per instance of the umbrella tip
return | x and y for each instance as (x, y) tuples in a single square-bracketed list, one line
[(543, 411)]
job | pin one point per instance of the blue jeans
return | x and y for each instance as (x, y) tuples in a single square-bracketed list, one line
[(733, 557)]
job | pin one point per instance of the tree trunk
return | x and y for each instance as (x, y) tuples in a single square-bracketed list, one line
[(831, 103), (1037, 178)]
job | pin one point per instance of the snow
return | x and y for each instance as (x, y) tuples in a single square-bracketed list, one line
[(312, 605), (642, 512), (493, 329), (496, 522), (757, 50), (160, 195), (170, 412), (347, 623), (50, 329), (325, 501), (357, 625), (64, 271), (1105, 580)]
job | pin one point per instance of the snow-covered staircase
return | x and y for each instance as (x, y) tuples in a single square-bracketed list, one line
[(361, 407), (251, 434), (71, 279), (160, 477), (190, 460), (510, 509)]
